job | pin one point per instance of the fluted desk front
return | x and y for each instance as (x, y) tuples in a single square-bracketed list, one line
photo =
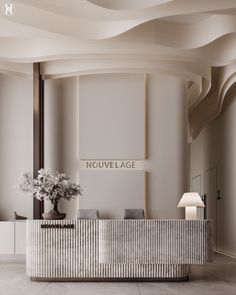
[(116, 249)]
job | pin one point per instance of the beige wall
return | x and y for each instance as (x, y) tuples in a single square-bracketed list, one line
[(215, 147), (166, 144), (61, 133), (16, 148), (112, 127), (165, 131), (112, 116)]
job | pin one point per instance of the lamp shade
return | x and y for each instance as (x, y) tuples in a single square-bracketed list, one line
[(191, 200)]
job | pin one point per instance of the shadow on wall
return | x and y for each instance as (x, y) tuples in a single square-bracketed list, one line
[(61, 130), (16, 137), (227, 174), (215, 147)]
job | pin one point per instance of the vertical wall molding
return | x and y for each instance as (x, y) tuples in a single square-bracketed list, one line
[(146, 116), (38, 132), (146, 144)]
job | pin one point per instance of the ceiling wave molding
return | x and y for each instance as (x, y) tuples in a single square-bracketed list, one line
[(194, 40), (87, 10), (127, 5), (22, 50), (94, 23), (199, 74), (224, 78), (15, 69), (182, 36)]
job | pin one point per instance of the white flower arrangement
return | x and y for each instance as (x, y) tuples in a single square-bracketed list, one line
[(50, 187)]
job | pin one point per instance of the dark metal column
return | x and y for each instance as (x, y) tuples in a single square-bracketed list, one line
[(38, 132)]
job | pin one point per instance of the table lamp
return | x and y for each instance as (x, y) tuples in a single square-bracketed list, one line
[(191, 201)]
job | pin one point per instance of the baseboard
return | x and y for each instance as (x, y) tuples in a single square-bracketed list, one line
[(226, 254), (132, 279), (12, 257)]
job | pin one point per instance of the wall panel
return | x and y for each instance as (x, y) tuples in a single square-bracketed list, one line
[(112, 116), (112, 191)]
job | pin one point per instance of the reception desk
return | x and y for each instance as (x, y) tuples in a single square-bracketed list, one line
[(65, 250)]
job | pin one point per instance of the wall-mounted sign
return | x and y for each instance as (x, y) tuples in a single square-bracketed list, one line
[(58, 226), (111, 164)]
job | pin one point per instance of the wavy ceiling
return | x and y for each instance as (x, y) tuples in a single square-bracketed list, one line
[(195, 40), (127, 5)]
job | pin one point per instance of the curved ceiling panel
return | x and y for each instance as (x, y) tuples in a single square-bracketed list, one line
[(20, 70), (186, 38), (98, 25), (127, 5), (223, 79), (181, 35)]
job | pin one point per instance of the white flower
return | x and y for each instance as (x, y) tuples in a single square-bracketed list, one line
[(51, 187)]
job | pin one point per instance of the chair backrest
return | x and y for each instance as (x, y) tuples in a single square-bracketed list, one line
[(88, 214), (134, 214)]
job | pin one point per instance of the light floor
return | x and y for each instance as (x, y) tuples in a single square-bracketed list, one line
[(218, 278)]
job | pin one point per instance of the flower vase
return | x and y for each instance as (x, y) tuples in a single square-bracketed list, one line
[(54, 214)]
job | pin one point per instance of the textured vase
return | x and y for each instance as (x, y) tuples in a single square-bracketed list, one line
[(54, 214)]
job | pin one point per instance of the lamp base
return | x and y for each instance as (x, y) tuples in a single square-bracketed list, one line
[(191, 213)]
